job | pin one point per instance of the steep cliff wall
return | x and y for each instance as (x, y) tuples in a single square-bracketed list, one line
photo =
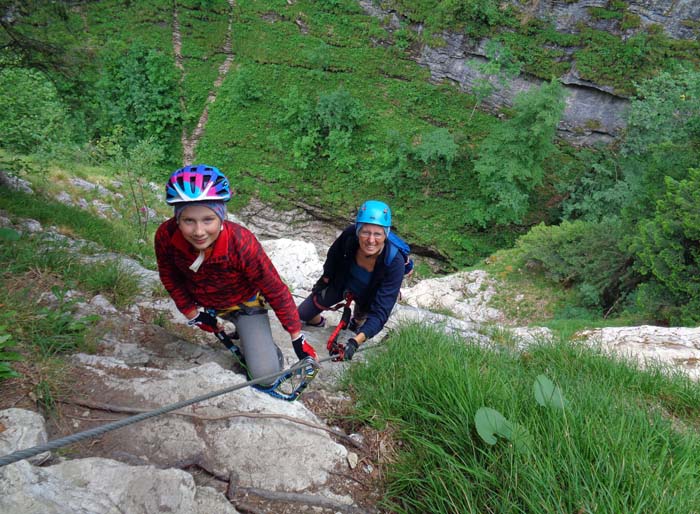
[(680, 19), (594, 112)]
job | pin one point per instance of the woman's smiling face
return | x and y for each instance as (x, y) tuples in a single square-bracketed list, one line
[(200, 226), (371, 239)]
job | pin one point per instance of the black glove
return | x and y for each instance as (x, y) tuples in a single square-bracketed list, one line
[(350, 349), (303, 349), (205, 321)]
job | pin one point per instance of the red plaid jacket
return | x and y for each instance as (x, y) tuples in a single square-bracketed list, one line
[(236, 269)]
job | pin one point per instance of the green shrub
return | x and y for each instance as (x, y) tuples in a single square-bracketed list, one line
[(324, 128), (597, 192), (511, 158), (663, 138), (138, 91), (437, 148), (32, 112), (585, 255), (245, 88), (668, 248)]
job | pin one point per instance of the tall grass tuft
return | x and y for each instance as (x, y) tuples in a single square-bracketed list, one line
[(627, 440), (113, 279)]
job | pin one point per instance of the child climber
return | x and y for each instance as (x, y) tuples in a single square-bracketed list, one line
[(213, 267)]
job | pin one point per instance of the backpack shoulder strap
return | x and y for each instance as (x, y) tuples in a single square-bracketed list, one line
[(391, 253)]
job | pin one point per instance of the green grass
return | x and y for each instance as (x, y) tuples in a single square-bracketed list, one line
[(112, 279), (45, 256), (76, 222), (45, 329), (625, 439)]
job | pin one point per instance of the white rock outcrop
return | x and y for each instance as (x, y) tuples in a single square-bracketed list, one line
[(675, 347)]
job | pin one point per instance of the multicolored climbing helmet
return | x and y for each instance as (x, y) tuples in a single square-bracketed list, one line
[(197, 183), (375, 213)]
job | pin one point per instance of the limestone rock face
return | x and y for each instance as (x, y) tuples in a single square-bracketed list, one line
[(102, 486), (21, 428), (229, 433), (675, 347), (465, 295), (594, 113), (297, 262), (676, 17)]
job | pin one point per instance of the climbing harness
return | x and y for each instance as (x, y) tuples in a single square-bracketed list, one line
[(336, 349)]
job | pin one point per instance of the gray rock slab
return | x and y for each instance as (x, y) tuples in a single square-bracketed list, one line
[(678, 348), (218, 436), (103, 486), (20, 429)]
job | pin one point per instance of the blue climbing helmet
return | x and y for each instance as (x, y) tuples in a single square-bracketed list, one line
[(197, 183), (375, 213)]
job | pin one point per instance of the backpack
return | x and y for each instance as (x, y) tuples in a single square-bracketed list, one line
[(401, 246)]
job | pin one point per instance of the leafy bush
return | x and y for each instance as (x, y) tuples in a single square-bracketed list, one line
[(32, 113), (668, 248), (598, 192), (324, 128), (245, 88), (501, 66), (338, 110), (138, 91), (511, 158), (437, 148), (663, 137), (581, 254)]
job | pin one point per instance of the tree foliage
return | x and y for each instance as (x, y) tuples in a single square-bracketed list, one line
[(437, 148), (586, 255), (19, 35), (663, 137), (500, 67), (597, 192), (33, 115), (668, 247), (138, 91), (511, 158), (324, 128)]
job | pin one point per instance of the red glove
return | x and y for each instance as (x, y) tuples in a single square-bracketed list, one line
[(205, 321), (303, 349)]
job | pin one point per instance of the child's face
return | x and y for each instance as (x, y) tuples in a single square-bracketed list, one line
[(200, 226)]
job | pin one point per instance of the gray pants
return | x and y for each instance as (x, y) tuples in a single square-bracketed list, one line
[(262, 356)]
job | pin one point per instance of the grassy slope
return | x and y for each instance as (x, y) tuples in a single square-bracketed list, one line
[(397, 97), (319, 47), (626, 441)]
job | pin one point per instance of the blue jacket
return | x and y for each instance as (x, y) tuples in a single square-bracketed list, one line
[(384, 286)]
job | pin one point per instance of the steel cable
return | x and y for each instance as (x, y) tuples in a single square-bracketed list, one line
[(93, 432)]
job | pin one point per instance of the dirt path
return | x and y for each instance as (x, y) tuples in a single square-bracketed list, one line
[(190, 141)]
